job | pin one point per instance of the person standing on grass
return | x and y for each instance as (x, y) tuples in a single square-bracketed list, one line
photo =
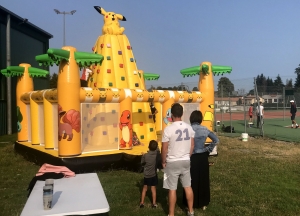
[(199, 161), (259, 114), (293, 112), (250, 112), (150, 160), (177, 147)]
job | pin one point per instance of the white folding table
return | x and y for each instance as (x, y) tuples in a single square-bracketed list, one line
[(79, 195)]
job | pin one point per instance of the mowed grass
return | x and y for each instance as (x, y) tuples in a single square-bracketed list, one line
[(258, 177)]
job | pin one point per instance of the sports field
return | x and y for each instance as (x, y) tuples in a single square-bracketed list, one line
[(277, 125)]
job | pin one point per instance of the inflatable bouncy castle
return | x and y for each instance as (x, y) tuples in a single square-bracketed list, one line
[(93, 127)]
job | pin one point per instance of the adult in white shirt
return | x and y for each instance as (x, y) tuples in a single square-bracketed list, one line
[(177, 147), (259, 114)]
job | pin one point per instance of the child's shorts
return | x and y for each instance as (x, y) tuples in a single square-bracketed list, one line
[(153, 181)]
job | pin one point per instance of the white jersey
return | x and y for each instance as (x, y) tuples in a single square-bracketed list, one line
[(261, 110), (179, 135)]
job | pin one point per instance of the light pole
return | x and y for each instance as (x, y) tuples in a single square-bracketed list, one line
[(64, 13)]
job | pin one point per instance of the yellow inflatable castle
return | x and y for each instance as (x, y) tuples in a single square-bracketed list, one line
[(93, 127)]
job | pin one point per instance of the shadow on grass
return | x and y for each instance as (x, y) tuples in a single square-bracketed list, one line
[(161, 193)]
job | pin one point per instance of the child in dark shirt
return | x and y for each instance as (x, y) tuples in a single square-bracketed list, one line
[(150, 161)]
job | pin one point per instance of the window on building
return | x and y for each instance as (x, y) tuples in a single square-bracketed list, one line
[(275, 101)]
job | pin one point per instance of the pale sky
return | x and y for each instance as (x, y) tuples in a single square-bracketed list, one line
[(253, 37)]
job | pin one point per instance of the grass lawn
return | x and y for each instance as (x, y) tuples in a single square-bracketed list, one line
[(258, 177)]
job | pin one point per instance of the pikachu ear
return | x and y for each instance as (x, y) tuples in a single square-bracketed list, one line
[(100, 10), (121, 17)]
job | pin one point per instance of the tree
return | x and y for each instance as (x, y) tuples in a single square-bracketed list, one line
[(297, 81), (270, 86), (251, 92), (53, 80), (195, 89), (278, 84), (239, 102), (227, 85), (289, 83), (261, 83)]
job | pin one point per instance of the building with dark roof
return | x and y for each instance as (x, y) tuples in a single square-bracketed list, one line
[(26, 41)]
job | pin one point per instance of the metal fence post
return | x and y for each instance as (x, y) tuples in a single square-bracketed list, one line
[(229, 109), (222, 108), (283, 101), (8, 79), (245, 112)]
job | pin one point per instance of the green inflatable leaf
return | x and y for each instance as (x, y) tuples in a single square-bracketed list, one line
[(45, 60), (36, 72), (151, 76), (192, 71), (11, 71), (216, 69), (205, 69), (53, 56), (5, 72), (220, 70), (86, 59), (59, 54)]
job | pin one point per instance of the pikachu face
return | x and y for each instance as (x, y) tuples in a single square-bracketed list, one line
[(111, 22)]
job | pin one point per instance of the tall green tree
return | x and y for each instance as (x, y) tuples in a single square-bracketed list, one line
[(278, 84), (53, 80), (289, 83), (251, 92), (297, 81), (270, 85), (227, 85), (261, 83)]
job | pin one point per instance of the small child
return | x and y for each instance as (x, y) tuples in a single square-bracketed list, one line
[(150, 161), (135, 139)]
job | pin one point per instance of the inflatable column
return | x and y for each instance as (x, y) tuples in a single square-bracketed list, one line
[(68, 88), (206, 86), (37, 117), (50, 119), (24, 84)]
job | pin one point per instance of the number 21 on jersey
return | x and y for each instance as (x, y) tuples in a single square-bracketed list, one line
[(182, 134)]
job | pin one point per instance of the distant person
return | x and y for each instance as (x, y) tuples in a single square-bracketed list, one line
[(259, 114), (250, 112), (153, 111), (293, 112), (177, 147), (150, 161), (199, 161)]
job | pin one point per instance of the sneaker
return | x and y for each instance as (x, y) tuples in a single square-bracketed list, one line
[(204, 208), (297, 126), (142, 205), (190, 213), (154, 205)]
